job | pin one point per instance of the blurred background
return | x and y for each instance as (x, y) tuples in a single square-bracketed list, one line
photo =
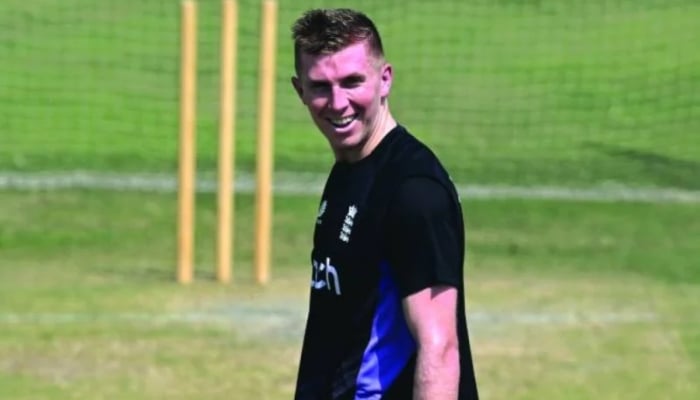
[(572, 130)]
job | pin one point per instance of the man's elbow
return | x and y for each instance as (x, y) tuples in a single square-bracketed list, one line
[(443, 349)]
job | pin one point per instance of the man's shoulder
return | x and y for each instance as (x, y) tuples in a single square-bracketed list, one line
[(406, 148), (410, 165), (408, 156)]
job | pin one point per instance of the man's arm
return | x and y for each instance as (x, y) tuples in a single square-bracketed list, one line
[(431, 318), (425, 247)]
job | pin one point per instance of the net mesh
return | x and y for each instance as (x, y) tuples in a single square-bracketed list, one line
[(506, 92)]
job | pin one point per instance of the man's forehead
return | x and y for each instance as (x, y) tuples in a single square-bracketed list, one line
[(355, 58)]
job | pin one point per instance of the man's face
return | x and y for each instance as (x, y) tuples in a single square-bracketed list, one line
[(344, 93)]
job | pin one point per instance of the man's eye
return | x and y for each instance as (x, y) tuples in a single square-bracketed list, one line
[(353, 83), (318, 86)]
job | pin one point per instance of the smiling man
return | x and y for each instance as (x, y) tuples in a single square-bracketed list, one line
[(387, 306)]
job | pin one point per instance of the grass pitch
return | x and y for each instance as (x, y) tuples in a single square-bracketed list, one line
[(566, 300), (89, 307)]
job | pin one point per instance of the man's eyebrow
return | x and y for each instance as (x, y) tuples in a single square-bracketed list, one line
[(354, 77)]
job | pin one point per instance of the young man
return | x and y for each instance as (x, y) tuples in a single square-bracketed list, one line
[(386, 316)]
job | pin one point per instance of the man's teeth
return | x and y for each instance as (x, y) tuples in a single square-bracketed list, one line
[(342, 121)]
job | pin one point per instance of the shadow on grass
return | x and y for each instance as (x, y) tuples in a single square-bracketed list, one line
[(661, 169), (153, 273)]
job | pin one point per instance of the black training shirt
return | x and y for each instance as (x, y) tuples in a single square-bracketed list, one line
[(388, 226)]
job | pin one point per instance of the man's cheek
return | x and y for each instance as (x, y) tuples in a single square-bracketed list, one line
[(316, 103)]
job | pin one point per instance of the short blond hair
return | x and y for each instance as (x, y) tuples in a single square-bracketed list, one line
[(326, 31)]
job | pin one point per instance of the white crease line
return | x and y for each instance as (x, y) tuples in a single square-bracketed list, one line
[(303, 184), (268, 317)]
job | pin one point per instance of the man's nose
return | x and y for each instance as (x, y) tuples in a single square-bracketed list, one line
[(339, 100)]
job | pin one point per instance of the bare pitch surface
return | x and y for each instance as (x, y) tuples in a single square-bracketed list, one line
[(533, 337)]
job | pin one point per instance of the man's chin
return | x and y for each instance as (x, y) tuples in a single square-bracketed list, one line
[(344, 140), (346, 146)]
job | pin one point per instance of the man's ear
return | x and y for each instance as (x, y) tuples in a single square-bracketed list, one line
[(296, 82), (386, 79)]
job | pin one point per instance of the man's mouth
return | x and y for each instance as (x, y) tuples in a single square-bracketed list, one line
[(342, 122)]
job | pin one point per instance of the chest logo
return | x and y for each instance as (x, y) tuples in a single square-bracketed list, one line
[(325, 276), (348, 222)]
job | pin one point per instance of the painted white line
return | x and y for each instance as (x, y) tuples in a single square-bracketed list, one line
[(271, 317), (603, 193), (563, 318), (289, 183)]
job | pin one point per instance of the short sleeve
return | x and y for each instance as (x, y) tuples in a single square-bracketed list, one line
[(423, 236)]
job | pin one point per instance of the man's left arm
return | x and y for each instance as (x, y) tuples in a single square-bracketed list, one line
[(431, 317), (426, 255)]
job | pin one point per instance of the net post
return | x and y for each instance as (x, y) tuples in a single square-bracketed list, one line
[(264, 170), (187, 143), (226, 197)]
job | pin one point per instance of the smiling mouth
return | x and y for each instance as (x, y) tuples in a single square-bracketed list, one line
[(342, 122)]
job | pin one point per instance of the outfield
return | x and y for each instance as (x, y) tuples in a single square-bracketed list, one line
[(569, 297), (568, 300)]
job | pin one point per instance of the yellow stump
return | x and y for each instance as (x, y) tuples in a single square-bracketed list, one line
[(266, 114), (226, 198), (186, 173)]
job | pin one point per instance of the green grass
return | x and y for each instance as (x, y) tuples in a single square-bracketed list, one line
[(658, 241), (506, 92), (89, 307), (568, 300)]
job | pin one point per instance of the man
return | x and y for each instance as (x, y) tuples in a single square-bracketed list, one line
[(386, 315)]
